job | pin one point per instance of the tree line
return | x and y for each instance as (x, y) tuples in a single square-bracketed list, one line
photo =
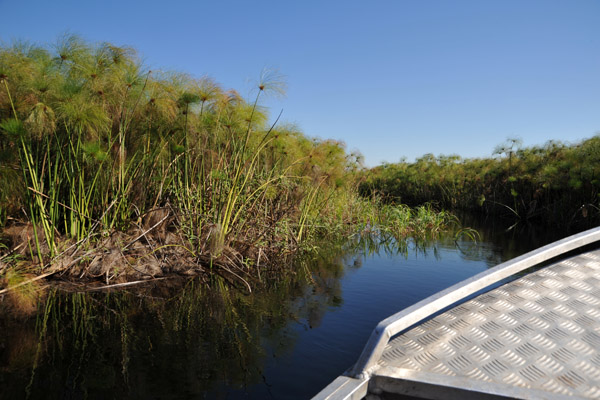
[(555, 184)]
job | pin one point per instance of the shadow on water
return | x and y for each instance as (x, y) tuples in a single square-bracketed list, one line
[(187, 340)]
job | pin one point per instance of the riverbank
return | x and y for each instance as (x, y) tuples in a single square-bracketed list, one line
[(114, 173), (158, 251)]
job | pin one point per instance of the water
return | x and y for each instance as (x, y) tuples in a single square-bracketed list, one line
[(287, 342)]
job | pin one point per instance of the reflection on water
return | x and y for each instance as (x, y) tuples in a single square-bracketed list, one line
[(188, 341), (159, 342)]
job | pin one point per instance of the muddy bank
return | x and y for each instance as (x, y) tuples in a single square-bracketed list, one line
[(153, 250)]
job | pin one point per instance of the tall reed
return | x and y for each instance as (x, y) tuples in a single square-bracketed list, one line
[(113, 153), (554, 184)]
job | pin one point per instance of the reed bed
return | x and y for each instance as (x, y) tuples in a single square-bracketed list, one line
[(556, 184), (112, 172)]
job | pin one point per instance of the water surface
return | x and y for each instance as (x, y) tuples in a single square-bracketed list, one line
[(189, 341)]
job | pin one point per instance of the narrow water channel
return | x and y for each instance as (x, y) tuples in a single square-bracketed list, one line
[(287, 342)]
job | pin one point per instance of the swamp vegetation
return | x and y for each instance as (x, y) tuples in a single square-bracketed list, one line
[(555, 185), (112, 174), (115, 173)]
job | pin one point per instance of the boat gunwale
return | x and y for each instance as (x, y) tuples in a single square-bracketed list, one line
[(354, 379), (433, 304), (408, 317)]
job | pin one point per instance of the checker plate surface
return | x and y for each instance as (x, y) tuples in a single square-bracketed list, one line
[(539, 332)]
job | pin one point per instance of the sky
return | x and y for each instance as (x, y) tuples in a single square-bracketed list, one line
[(391, 79)]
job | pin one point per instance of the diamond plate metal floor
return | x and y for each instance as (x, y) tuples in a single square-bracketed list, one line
[(539, 334)]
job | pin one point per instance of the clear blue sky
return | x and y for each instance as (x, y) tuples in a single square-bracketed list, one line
[(390, 78)]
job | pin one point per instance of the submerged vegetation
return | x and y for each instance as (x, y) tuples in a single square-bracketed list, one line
[(555, 184), (113, 172)]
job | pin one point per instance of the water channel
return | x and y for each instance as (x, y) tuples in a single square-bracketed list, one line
[(187, 341)]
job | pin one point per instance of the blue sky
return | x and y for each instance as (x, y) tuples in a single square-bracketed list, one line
[(392, 79)]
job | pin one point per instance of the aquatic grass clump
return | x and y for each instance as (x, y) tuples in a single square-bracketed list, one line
[(375, 222), (106, 144), (129, 174), (419, 223)]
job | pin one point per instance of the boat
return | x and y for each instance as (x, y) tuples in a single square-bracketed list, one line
[(528, 328)]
